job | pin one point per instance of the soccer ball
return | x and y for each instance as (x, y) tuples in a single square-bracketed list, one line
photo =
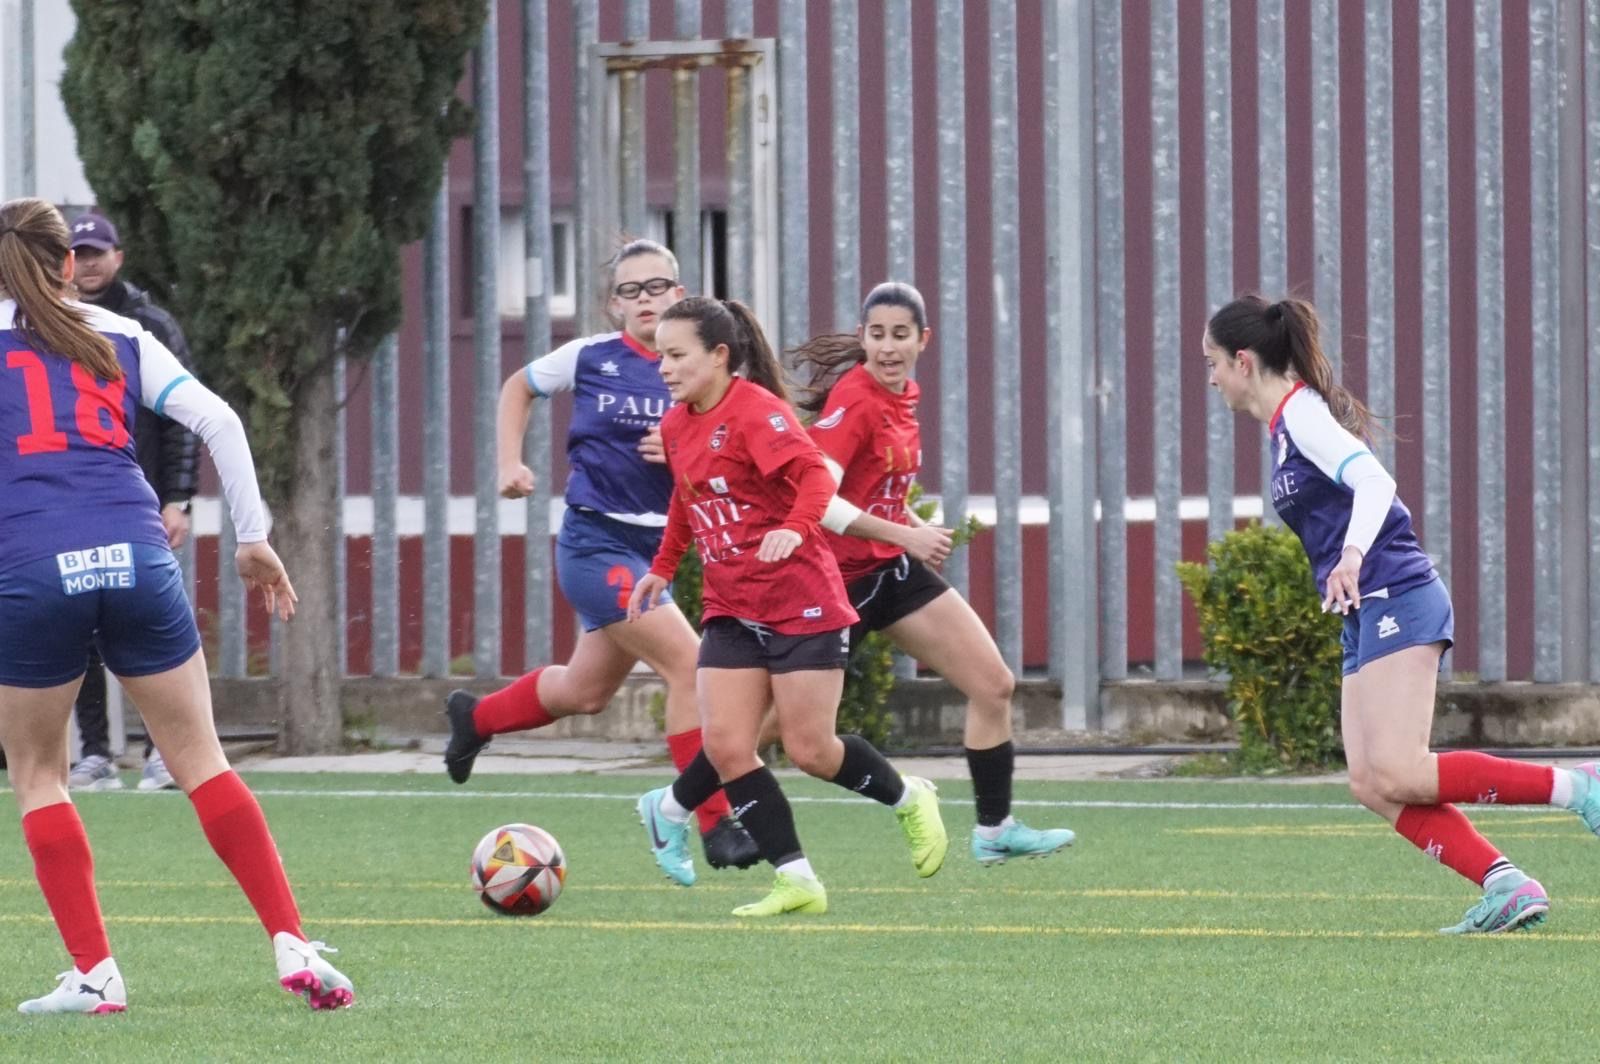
[(518, 870)]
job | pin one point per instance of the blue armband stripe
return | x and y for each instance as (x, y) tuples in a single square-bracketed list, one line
[(533, 387), (161, 400), (1339, 476)]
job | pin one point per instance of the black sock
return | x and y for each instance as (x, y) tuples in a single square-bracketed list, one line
[(991, 781), (868, 772), (759, 804), (696, 783)]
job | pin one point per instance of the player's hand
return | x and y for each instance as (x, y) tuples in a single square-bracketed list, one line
[(259, 567), (645, 593), (1344, 588), (176, 523), (516, 481), (777, 545), (929, 544), (651, 449)]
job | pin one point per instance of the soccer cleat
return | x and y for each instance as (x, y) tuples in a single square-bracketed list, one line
[(1517, 907), (669, 839), (790, 894), (729, 845), (156, 777), (1019, 840), (465, 743), (100, 991), (302, 970), (94, 773), (1586, 793), (924, 830)]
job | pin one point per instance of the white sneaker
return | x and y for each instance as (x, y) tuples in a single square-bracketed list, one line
[(301, 970), (100, 991), (156, 777), (94, 773)]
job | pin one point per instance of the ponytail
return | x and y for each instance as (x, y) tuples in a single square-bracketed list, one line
[(754, 355), (823, 360), (1286, 336), (34, 244)]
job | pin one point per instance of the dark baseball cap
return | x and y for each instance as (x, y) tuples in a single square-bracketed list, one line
[(95, 231)]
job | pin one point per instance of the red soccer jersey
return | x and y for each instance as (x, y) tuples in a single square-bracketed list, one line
[(873, 433), (734, 471)]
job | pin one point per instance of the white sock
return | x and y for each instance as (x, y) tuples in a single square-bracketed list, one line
[(1561, 789), (908, 796), (1502, 871), (798, 867), (990, 833), (672, 809)]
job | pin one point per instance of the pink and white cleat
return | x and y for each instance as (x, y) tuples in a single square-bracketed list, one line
[(302, 970), (96, 993)]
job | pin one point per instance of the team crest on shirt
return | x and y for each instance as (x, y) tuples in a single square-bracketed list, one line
[(610, 369), (719, 436), (832, 420), (779, 422), (719, 485)]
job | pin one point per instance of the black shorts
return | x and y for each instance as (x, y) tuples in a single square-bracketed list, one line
[(727, 643), (892, 592)]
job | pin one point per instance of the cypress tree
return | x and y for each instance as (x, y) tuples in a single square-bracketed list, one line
[(266, 162)]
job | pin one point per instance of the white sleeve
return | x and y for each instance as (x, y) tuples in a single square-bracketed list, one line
[(1346, 460), (840, 514), (169, 389), (557, 371)]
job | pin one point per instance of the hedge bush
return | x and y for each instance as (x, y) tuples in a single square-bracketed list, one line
[(1263, 625)]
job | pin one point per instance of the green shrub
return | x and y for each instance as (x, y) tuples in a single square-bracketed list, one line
[(1263, 625)]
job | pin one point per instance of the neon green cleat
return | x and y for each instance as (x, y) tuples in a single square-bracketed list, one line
[(790, 894), (919, 819), (1019, 840)]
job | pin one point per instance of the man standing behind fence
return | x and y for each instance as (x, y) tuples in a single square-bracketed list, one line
[(168, 454)]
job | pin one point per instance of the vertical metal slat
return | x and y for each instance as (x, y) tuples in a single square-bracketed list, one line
[(1005, 273), (486, 354), (952, 334), (1491, 343), (537, 608), (1219, 256), (1167, 330)]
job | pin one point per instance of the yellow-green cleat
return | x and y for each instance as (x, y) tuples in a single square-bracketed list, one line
[(790, 894), (920, 820)]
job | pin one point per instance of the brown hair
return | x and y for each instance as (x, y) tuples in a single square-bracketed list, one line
[(1286, 335), (34, 244), (735, 325)]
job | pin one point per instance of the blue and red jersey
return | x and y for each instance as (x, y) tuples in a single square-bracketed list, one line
[(618, 396), (69, 476), (1310, 453)]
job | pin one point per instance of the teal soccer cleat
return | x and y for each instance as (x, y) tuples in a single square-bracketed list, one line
[(669, 840), (1586, 793), (1019, 840), (1517, 907)]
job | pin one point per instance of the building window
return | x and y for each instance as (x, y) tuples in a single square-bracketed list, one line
[(552, 280)]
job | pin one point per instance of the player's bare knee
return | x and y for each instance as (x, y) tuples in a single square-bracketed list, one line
[(991, 696), (588, 703)]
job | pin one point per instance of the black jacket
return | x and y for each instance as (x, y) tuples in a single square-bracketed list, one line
[(168, 453)]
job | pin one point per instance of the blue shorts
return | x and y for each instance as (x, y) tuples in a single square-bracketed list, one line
[(598, 560), (1416, 617), (125, 599)]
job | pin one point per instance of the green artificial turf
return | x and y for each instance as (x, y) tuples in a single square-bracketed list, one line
[(1170, 931)]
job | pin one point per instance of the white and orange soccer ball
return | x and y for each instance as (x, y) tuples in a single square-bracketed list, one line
[(518, 870)]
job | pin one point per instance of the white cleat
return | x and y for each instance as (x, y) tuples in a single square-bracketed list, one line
[(100, 991), (302, 970)]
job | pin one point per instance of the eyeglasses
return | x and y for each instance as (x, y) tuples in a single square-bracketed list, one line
[(655, 286)]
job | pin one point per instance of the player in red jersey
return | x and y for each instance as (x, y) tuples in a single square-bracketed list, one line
[(749, 490), (87, 560), (865, 405)]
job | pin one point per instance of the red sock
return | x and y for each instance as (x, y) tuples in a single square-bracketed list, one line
[(1468, 776), (515, 707), (1444, 833), (684, 745), (232, 821), (64, 867)]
